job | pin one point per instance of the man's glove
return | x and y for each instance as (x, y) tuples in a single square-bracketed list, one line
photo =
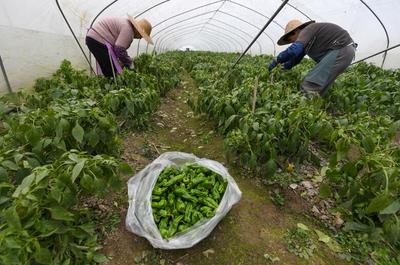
[(272, 65)]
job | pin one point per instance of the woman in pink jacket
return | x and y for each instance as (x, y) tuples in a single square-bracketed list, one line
[(110, 38)]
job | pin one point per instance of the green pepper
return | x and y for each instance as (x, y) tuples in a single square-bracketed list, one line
[(175, 212), (159, 191), (186, 179), (174, 226), (183, 193), (198, 193), (159, 204), (173, 180), (222, 187), (207, 211), (156, 217), (180, 191), (163, 223), (209, 202), (155, 198), (215, 195), (164, 232), (188, 212), (206, 184), (197, 180), (196, 216), (189, 197), (163, 213), (212, 179), (182, 227), (171, 199), (180, 205)]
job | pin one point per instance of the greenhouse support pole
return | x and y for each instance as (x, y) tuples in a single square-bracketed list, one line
[(3, 69), (261, 31), (73, 34), (375, 54)]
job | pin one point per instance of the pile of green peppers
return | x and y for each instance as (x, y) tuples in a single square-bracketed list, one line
[(183, 196)]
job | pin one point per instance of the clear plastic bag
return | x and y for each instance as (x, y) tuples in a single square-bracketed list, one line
[(139, 218)]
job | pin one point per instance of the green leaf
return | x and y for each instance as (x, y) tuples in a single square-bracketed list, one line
[(353, 226), (43, 256), (324, 190), (77, 170), (33, 136), (3, 174), (78, 132), (229, 121), (56, 193), (256, 126), (322, 236), (48, 228), (33, 162), (393, 208), (12, 243), (378, 203), (86, 182), (23, 188), (332, 244), (229, 111), (99, 258), (125, 169), (368, 144), (12, 218), (74, 157), (253, 160), (93, 138), (59, 213), (270, 168), (40, 174), (303, 226), (10, 165)]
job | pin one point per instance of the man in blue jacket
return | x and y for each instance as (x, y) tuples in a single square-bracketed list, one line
[(326, 43)]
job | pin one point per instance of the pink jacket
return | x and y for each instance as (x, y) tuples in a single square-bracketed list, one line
[(117, 31)]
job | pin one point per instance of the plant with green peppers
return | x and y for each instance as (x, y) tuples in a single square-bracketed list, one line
[(51, 131), (165, 71), (355, 126), (184, 196), (43, 221)]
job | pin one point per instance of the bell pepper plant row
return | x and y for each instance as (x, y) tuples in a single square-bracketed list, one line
[(268, 123), (61, 147)]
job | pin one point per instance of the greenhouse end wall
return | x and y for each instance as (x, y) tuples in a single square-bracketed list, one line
[(28, 55)]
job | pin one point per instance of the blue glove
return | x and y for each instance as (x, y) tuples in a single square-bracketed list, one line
[(292, 55), (272, 65), (292, 62)]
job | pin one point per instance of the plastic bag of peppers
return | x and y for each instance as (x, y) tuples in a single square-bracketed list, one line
[(178, 199)]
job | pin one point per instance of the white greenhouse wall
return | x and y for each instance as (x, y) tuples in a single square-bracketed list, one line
[(28, 55)]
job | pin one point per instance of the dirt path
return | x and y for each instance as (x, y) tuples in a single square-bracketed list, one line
[(253, 228)]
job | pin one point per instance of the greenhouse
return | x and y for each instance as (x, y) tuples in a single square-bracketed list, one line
[(199, 132)]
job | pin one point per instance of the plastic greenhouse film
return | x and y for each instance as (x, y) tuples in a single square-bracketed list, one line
[(139, 219)]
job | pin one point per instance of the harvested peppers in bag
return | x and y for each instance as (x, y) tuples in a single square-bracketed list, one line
[(178, 199), (190, 189)]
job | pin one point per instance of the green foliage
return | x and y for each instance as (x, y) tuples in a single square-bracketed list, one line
[(73, 124), (299, 242), (55, 147), (267, 121), (163, 67), (43, 218)]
